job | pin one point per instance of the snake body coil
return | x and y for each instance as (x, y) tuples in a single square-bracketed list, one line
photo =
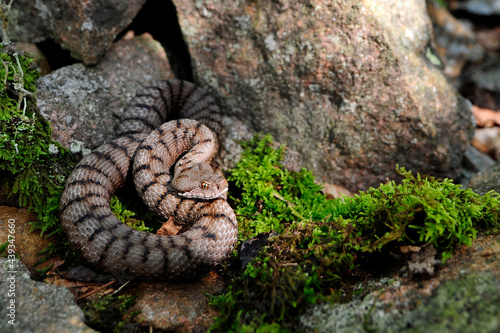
[(171, 173)]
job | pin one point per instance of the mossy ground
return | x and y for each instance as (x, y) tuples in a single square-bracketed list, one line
[(320, 243), (468, 304), (33, 167), (109, 313), (323, 243), (464, 303)]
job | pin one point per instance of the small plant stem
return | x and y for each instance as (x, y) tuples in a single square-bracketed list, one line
[(290, 206), (95, 290), (6, 65)]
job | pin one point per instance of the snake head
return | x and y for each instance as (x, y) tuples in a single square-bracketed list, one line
[(200, 181)]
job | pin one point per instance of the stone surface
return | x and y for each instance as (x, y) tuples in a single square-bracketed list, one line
[(463, 296), (478, 7), (345, 83), (35, 306), (476, 161), (481, 84), (28, 244), (486, 180), (177, 307), (455, 42), (86, 28), (38, 57), (85, 103)]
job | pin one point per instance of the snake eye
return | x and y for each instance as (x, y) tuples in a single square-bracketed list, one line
[(204, 185)]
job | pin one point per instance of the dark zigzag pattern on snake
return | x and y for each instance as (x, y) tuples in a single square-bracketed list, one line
[(105, 242)]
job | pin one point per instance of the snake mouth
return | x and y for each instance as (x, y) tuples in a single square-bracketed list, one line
[(202, 196)]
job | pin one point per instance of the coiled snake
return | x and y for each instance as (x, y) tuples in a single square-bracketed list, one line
[(174, 178)]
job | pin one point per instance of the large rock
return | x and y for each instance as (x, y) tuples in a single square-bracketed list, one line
[(462, 297), (177, 307), (345, 83), (31, 306), (85, 103), (28, 243), (86, 28)]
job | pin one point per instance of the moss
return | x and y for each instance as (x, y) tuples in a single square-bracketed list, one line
[(32, 165), (323, 242), (268, 195), (126, 215), (468, 304), (109, 313)]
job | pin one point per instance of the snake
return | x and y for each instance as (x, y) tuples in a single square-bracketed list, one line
[(170, 164)]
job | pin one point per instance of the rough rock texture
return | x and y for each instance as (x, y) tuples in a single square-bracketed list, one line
[(38, 307), (85, 103), (28, 244), (462, 297), (344, 83), (178, 307), (455, 42), (86, 28), (478, 7), (486, 180), (481, 84)]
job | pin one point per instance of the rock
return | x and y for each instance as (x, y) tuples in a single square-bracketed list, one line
[(333, 191), (478, 7), (252, 247), (455, 42), (85, 103), (86, 28), (462, 297), (423, 261), (489, 39), (234, 131), (28, 244), (345, 84), (486, 180), (177, 307), (481, 84), (38, 57), (36, 306), (477, 161)]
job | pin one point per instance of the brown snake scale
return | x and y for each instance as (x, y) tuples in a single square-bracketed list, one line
[(170, 163)]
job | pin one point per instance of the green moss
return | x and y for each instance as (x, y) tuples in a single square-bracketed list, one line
[(268, 195), (468, 304), (3, 248), (323, 242), (32, 165), (126, 215), (109, 313)]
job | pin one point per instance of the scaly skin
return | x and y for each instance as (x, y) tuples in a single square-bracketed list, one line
[(112, 246)]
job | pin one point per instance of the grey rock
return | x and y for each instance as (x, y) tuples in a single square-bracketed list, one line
[(85, 103), (477, 161), (462, 296), (35, 306), (86, 28), (455, 41), (479, 7), (453, 307), (177, 307), (252, 247), (347, 84), (486, 180)]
